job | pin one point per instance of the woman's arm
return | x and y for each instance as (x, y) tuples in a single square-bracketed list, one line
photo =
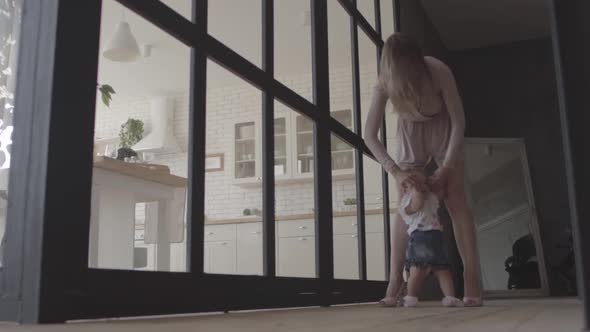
[(454, 106), (372, 127)]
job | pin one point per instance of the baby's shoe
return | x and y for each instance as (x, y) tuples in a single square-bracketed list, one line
[(410, 301), (451, 301)]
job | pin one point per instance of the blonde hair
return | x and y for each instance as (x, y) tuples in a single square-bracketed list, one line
[(404, 75)]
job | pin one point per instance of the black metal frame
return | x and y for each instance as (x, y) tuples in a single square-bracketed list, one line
[(49, 280), (45, 277), (570, 29)]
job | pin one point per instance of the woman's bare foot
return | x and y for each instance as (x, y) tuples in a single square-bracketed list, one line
[(393, 294), (472, 302), (388, 302)]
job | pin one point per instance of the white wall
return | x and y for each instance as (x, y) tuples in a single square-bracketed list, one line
[(226, 106)]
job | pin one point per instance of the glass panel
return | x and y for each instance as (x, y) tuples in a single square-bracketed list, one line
[(344, 205), (141, 137), (294, 196), (368, 73), (340, 62), (342, 157), (303, 145), (9, 43), (233, 193), (292, 51), (387, 18), (245, 150), (367, 9), (282, 157), (374, 220), (497, 188), (238, 24), (184, 7)]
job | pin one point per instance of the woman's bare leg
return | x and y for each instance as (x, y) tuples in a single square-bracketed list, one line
[(465, 234)]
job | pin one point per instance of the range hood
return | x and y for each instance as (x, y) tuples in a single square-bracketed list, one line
[(161, 138)]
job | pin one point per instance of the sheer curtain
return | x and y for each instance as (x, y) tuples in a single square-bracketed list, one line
[(10, 19)]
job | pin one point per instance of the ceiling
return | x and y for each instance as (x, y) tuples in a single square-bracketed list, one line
[(466, 24), (462, 24)]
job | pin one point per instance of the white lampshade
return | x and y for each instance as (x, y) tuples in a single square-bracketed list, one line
[(122, 47)]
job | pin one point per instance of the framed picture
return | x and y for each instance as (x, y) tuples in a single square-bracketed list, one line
[(214, 162)]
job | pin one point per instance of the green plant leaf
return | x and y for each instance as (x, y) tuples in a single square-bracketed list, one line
[(106, 99), (106, 92), (107, 88)]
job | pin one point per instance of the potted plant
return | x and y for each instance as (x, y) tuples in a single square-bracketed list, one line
[(131, 133), (349, 203)]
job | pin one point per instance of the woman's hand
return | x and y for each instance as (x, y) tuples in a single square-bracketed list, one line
[(407, 179), (438, 181)]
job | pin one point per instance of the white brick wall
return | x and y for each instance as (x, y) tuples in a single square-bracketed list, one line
[(226, 106)]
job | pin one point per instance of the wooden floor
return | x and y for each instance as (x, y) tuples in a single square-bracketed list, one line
[(554, 315)]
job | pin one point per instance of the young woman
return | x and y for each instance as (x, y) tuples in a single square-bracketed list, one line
[(431, 125)]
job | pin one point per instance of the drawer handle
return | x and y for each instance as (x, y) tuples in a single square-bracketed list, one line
[(354, 235), (353, 224), (302, 239), (302, 227), (223, 243), (256, 233), (209, 233)]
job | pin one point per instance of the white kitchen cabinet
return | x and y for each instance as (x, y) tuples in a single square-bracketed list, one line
[(220, 249), (296, 228), (246, 151), (296, 256), (294, 154), (249, 248), (237, 248), (346, 264), (220, 257)]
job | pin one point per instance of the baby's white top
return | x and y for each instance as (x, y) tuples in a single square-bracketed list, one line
[(425, 219)]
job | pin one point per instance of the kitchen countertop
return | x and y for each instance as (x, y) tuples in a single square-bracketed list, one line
[(294, 217), (154, 173)]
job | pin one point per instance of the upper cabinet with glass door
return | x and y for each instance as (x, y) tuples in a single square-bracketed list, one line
[(294, 154), (248, 151)]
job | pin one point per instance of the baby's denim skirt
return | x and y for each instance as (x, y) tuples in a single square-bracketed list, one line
[(426, 249)]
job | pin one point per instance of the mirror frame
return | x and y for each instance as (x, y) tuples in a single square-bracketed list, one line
[(534, 226)]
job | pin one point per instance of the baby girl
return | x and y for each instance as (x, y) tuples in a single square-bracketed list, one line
[(425, 252)]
